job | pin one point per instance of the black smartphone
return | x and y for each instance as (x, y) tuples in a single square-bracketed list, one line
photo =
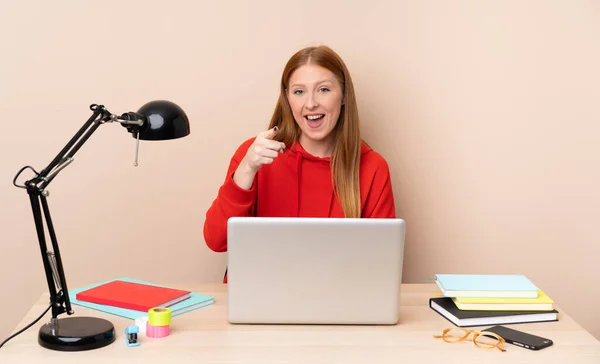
[(520, 338)]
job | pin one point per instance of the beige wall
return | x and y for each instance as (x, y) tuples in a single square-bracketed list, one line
[(487, 112)]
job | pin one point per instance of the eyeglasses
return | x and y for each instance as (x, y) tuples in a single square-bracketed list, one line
[(484, 340)]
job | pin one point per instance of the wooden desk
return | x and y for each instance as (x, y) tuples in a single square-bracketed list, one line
[(205, 336)]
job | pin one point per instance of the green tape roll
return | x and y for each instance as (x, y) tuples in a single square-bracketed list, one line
[(159, 316)]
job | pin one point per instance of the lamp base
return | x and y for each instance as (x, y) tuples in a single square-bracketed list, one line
[(76, 334)]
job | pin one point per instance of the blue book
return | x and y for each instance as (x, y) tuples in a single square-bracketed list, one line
[(195, 301), (486, 285)]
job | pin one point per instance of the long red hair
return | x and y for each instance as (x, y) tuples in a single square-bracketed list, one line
[(345, 160)]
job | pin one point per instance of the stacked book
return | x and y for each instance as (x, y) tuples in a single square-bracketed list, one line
[(488, 299), (132, 298)]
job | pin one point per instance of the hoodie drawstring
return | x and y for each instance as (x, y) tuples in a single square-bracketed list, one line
[(301, 157)]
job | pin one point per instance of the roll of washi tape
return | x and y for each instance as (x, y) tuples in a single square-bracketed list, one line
[(159, 316), (157, 331), (141, 323)]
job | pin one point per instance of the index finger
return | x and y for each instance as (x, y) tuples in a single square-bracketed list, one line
[(270, 134)]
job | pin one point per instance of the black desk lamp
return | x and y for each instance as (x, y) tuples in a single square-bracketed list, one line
[(156, 120)]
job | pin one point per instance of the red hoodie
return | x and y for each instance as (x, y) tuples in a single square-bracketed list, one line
[(296, 184)]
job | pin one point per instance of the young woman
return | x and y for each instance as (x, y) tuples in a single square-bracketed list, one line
[(311, 162)]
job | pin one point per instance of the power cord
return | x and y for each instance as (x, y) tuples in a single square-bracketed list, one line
[(28, 326), (19, 173)]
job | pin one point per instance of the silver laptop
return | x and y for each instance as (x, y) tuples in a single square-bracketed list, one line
[(314, 270)]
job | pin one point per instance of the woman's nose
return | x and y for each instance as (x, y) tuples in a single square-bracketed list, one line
[(311, 101)]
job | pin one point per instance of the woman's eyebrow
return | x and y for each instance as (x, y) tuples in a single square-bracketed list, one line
[(317, 83)]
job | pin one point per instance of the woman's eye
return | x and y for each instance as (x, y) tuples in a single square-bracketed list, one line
[(324, 89), (298, 92)]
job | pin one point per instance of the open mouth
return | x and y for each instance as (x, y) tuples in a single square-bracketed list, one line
[(314, 117), (314, 120)]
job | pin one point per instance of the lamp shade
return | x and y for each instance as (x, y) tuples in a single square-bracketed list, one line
[(163, 120)]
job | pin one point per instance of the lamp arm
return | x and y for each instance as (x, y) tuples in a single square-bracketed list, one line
[(98, 110), (36, 188), (132, 121)]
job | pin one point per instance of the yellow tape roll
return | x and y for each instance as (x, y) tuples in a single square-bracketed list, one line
[(159, 316)]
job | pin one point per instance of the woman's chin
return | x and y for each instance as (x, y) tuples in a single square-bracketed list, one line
[(318, 136)]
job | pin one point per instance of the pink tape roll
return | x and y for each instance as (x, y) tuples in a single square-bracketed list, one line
[(157, 331)]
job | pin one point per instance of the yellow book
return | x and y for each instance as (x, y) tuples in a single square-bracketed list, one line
[(541, 303)]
